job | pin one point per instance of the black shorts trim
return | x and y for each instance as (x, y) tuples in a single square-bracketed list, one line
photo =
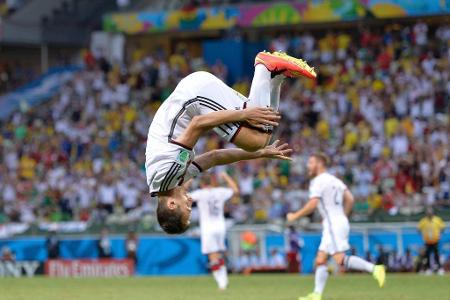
[(235, 134), (197, 166), (180, 144), (211, 104), (168, 177)]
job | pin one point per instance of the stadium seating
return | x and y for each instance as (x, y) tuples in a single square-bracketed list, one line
[(381, 100)]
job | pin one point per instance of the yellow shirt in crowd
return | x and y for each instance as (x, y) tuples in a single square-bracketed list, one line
[(431, 229)]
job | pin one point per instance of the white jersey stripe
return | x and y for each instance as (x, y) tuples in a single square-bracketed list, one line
[(330, 227), (178, 115), (172, 172), (218, 105)]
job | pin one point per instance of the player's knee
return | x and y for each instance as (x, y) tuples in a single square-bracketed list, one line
[(252, 147), (339, 260), (320, 262), (251, 140)]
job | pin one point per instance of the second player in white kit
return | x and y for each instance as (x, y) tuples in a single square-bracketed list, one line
[(210, 202), (330, 192), (334, 202)]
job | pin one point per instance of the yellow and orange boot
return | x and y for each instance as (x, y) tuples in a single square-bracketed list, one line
[(289, 66)]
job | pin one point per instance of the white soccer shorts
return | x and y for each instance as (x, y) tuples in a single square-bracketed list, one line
[(213, 242), (335, 237)]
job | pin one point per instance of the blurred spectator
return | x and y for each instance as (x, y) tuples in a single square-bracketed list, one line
[(379, 108), (394, 262), (104, 245), (7, 255), (421, 261), (293, 254), (407, 261), (369, 257), (276, 259), (383, 257), (431, 228), (52, 244), (107, 195), (131, 246)]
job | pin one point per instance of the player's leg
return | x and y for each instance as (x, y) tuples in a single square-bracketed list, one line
[(214, 245), (321, 274), (428, 258), (437, 259), (352, 262), (221, 236), (216, 95), (270, 71), (320, 277), (218, 269), (264, 92)]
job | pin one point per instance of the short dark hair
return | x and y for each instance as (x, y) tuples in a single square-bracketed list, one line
[(170, 220), (322, 157)]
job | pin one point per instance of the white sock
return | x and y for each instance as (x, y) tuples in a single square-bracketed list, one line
[(320, 279), (275, 87), (216, 275), (261, 88), (357, 263), (223, 277)]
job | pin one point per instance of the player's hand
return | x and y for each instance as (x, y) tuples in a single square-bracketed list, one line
[(261, 116), (277, 151), (290, 217)]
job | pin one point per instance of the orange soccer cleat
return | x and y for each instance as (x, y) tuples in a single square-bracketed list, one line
[(287, 65)]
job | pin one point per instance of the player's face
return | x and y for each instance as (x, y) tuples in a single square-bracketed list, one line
[(312, 166), (184, 202)]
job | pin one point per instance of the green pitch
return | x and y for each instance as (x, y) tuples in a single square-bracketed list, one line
[(255, 287)]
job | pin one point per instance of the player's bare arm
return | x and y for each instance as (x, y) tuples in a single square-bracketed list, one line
[(228, 156), (257, 116), (348, 202), (304, 211), (230, 182)]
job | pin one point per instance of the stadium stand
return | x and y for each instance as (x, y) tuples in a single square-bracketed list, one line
[(381, 100)]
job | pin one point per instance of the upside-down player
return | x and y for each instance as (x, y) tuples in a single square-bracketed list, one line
[(210, 202), (201, 102), (335, 202)]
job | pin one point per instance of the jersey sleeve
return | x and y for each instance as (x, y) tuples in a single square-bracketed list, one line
[(196, 195), (224, 194), (440, 223), (342, 185), (315, 190), (192, 171)]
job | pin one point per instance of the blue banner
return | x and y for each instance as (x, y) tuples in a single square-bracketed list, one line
[(36, 91), (158, 255)]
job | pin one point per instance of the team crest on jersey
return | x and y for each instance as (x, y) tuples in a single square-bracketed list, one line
[(183, 156)]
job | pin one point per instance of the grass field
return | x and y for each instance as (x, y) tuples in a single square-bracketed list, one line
[(255, 287)]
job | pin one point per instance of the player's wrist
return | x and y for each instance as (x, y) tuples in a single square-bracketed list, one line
[(241, 115), (260, 153)]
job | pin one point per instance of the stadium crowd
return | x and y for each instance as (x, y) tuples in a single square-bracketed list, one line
[(379, 109)]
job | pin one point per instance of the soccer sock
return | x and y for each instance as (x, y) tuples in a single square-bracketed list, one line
[(357, 263), (320, 279), (223, 277), (260, 90), (219, 272), (275, 87)]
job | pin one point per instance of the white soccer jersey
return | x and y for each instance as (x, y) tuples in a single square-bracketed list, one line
[(169, 164), (330, 191), (210, 203)]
